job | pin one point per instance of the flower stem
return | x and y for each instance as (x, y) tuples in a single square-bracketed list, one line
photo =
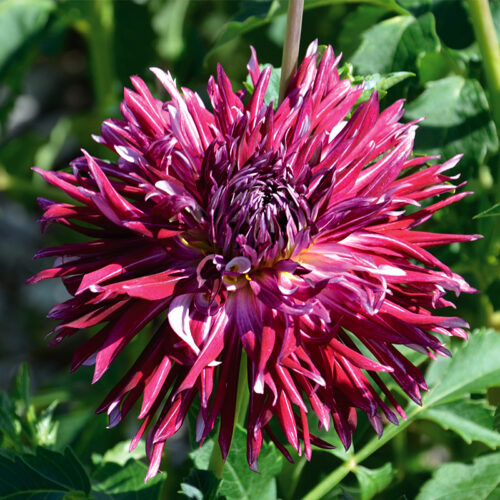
[(484, 29), (243, 394), (216, 464), (99, 30), (292, 44), (334, 478)]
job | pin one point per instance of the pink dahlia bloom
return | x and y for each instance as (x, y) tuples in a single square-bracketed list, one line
[(282, 233)]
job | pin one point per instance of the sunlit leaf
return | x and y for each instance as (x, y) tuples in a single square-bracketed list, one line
[(472, 420), (454, 481), (373, 481), (456, 120), (473, 368), (241, 483), (113, 481)]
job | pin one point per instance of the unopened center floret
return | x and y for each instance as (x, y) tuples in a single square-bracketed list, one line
[(257, 213)]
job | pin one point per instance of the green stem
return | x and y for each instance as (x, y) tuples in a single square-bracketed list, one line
[(216, 464), (484, 30), (99, 31), (243, 394), (334, 478), (294, 480), (292, 44)]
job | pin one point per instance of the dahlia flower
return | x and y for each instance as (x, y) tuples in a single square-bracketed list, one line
[(281, 233)]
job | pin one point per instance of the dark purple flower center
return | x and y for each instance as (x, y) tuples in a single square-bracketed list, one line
[(257, 212)]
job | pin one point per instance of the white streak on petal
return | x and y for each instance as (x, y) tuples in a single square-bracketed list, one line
[(127, 154), (178, 317), (336, 130), (242, 265)]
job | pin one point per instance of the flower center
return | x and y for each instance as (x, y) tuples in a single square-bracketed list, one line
[(257, 212)]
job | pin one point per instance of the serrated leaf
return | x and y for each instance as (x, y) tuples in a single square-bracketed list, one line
[(456, 120), (241, 483), (472, 420), (200, 485), (373, 481), (46, 474), (478, 481), (473, 368), (112, 481)]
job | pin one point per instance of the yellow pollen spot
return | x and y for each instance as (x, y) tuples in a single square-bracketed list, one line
[(230, 280)]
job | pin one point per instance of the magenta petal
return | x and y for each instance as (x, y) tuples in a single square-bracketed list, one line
[(284, 233)]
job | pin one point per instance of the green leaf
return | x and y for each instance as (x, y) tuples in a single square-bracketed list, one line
[(418, 38), (473, 368), (22, 386), (200, 485), (44, 475), (120, 453), (435, 65), (45, 427), (273, 88), (18, 420), (113, 481), (496, 419), (373, 481), (200, 455), (380, 83), (354, 24), (241, 483), (457, 120), (8, 421), (379, 45), (478, 481), (472, 420), (262, 13), (22, 25), (20, 21)]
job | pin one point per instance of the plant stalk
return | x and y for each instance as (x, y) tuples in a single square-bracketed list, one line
[(292, 45), (484, 29), (216, 464), (99, 33), (334, 478)]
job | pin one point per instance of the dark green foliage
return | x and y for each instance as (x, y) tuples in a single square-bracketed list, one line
[(44, 475)]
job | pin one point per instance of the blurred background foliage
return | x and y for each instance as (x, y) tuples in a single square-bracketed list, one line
[(63, 66)]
